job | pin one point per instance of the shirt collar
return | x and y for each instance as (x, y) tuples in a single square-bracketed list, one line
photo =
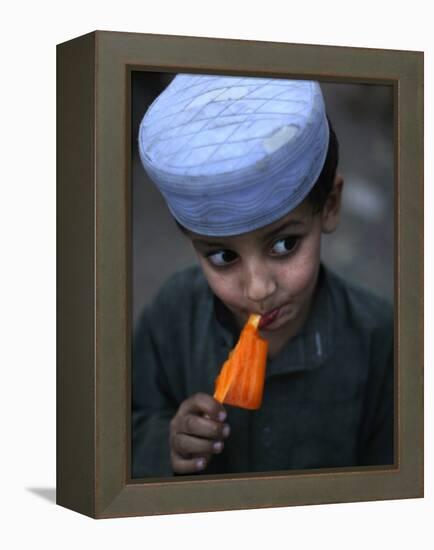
[(309, 348)]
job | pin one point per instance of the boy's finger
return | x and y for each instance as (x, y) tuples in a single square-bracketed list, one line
[(205, 405), (182, 465), (186, 445), (203, 426)]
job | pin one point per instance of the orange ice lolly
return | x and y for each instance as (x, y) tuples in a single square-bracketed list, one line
[(241, 379)]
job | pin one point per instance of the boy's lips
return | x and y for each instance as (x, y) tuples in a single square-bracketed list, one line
[(269, 318)]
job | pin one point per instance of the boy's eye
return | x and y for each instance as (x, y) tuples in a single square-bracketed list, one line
[(284, 246), (222, 257)]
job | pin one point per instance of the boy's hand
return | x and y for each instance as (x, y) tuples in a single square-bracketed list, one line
[(196, 433)]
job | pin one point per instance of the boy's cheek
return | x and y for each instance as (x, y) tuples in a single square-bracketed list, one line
[(232, 296), (300, 276), (229, 294), (226, 288)]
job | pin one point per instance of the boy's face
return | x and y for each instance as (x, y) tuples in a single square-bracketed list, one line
[(272, 270)]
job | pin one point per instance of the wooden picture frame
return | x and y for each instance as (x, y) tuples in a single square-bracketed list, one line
[(94, 274)]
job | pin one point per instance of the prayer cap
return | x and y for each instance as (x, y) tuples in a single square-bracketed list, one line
[(231, 154)]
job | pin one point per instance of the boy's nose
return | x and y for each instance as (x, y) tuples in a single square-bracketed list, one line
[(259, 283)]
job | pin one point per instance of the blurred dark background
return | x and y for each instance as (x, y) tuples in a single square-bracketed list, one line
[(361, 249)]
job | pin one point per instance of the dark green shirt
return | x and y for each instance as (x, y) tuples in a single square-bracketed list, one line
[(328, 395)]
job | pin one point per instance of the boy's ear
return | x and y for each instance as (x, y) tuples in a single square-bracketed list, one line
[(331, 211)]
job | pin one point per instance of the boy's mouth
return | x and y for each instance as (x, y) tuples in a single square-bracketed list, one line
[(268, 318)]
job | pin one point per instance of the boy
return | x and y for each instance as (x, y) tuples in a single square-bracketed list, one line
[(248, 168)]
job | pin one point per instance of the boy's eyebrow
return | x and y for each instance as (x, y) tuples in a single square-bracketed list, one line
[(281, 227), (268, 235)]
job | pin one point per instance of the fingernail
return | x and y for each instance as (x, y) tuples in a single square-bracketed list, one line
[(226, 430), (221, 416), (200, 463), (217, 446)]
